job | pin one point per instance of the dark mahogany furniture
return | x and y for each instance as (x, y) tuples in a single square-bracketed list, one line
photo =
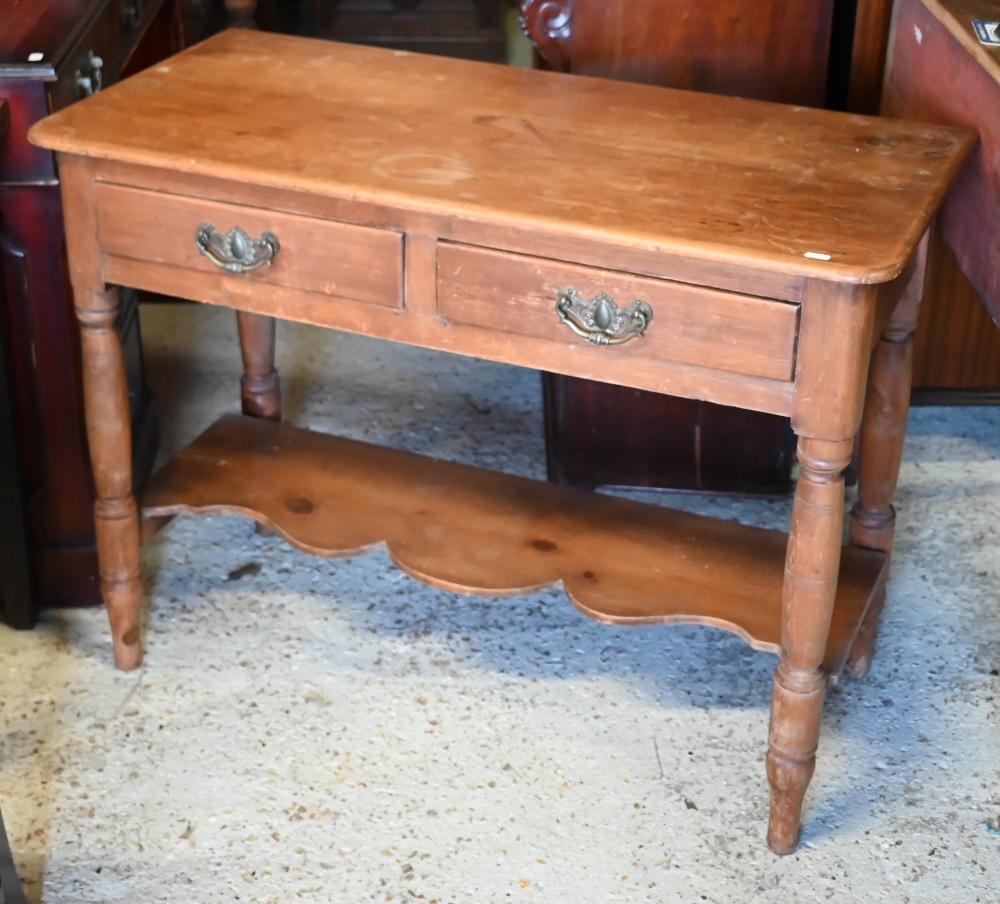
[(757, 255), (869, 24), (472, 29), (15, 572), (15, 578), (51, 55), (940, 72)]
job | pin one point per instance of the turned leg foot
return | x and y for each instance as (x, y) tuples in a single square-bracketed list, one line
[(124, 611), (796, 707), (118, 543), (859, 662)]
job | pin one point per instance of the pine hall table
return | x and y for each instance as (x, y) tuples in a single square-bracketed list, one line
[(746, 253)]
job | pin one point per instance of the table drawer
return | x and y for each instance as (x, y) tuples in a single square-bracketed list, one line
[(516, 293), (314, 255)]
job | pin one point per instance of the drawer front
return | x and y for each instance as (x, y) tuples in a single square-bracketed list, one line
[(516, 293), (337, 259)]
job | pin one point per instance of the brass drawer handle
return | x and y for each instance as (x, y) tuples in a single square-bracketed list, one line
[(601, 321), (235, 251)]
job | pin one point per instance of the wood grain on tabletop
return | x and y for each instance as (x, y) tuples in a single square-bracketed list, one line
[(474, 530), (740, 181)]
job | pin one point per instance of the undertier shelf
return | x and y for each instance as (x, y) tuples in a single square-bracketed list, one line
[(482, 532)]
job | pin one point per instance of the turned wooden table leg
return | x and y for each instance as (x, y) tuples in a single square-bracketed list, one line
[(834, 351), (883, 433), (116, 515), (260, 388), (811, 569), (106, 406)]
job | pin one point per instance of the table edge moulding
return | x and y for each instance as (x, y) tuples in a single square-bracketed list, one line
[(735, 251)]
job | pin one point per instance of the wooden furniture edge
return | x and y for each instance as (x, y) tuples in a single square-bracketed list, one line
[(776, 263)]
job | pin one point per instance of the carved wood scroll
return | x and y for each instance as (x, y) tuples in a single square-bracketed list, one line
[(547, 25)]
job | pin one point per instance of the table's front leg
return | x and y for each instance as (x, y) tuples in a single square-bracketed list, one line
[(834, 343), (106, 407), (109, 430), (812, 565)]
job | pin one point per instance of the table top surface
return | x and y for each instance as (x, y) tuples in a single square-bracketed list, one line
[(762, 185)]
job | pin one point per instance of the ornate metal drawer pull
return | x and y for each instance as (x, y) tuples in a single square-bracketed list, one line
[(236, 251), (601, 321)]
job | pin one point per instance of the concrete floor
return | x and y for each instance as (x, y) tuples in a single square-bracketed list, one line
[(334, 731)]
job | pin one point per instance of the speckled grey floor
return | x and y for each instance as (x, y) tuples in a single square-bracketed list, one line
[(333, 731)]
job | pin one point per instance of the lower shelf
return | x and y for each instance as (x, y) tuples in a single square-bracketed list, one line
[(478, 531)]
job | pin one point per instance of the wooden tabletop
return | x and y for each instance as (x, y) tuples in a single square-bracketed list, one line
[(751, 183)]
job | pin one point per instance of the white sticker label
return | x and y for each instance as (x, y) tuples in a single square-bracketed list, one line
[(36, 57), (987, 32)]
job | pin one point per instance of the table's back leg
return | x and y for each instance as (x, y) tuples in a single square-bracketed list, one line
[(260, 389), (883, 433)]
